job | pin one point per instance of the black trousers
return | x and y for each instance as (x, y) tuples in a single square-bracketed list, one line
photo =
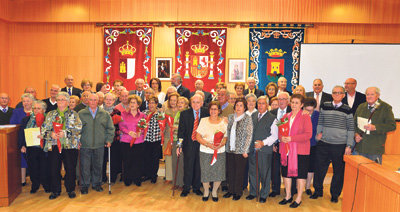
[(69, 157), (152, 155), (326, 153), (276, 174), (132, 161), (191, 168), (236, 165), (116, 161), (37, 166)]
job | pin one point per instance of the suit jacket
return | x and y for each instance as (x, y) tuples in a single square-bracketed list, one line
[(185, 129), (359, 99), (75, 91), (144, 106), (184, 92), (275, 111), (207, 97), (257, 92), (324, 98), (136, 92)]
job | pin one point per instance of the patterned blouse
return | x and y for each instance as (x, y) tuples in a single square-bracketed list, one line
[(73, 127), (153, 132)]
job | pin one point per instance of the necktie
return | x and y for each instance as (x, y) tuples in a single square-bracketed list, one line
[(69, 91), (259, 116), (370, 108), (4, 110), (317, 98), (281, 114), (196, 124)]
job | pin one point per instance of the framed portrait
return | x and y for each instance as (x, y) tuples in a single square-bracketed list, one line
[(237, 70), (164, 67)]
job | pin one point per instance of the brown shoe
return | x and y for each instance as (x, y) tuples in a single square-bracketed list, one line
[(167, 182)]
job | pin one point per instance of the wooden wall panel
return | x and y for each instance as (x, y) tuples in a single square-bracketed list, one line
[(4, 10), (4, 55), (291, 11)]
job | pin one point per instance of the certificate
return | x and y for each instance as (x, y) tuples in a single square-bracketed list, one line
[(31, 136), (361, 122)]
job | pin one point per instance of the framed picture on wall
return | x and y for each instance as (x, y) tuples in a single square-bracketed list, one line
[(164, 68), (237, 70)]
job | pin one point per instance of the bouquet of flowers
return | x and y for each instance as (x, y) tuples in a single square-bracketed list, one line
[(142, 124), (284, 127), (58, 126), (218, 136), (39, 121)]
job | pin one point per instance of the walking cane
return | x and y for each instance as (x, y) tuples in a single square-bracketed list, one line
[(176, 173), (257, 181), (109, 170)]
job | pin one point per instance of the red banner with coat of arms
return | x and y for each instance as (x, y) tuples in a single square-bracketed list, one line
[(127, 55), (200, 54)]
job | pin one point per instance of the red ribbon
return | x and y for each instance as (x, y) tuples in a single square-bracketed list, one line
[(217, 141), (57, 128), (39, 121), (284, 131)]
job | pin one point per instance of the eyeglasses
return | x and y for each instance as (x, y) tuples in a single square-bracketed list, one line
[(337, 93), (61, 100)]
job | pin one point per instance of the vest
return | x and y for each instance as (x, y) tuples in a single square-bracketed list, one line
[(262, 130)]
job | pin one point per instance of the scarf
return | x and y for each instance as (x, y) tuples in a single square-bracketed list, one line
[(232, 140)]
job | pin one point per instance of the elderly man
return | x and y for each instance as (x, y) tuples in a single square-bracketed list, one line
[(123, 97), (335, 135), (69, 86), (51, 101), (352, 97), (118, 94), (176, 81), (97, 132), (62, 145), (84, 101), (265, 133), (251, 83), (218, 87), (36, 157), (282, 83), (283, 103), (371, 137), (5, 110), (101, 98), (145, 104), (188, 123), (318, 94), (29, 90), (199, 84), (226, 108), (139, 84)]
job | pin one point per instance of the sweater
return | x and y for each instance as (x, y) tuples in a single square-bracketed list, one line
[(336, 124), (383, 119), (97, 131), (5, 117)]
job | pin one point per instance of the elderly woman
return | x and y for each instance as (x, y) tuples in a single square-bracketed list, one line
[(272, 90), (251, 100), (300, 132), (274, 103), (36, 157), (183, 104), (155, 84), (101, 87), (132, 156), (218, 87), (16, 118), (240, 130), (211, 170), (300, 90), (62, 145), (86, 85), (171, 111), (152, 141), (239, 89), (73, 102)]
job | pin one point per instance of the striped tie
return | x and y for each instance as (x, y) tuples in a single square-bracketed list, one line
[(196, 124)]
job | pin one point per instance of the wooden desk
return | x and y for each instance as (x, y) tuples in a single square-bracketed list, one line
[(10, 166), (377, 187)]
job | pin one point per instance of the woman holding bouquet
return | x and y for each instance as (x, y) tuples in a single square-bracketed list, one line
[(132, 146), (295, 149), (239, 131), (171, 111), (61, 131), (211, 134)]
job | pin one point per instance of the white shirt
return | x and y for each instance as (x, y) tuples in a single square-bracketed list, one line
[(51, 102), (279, 115), (161, 97), (250, 113), (350, 99), (1, 108)]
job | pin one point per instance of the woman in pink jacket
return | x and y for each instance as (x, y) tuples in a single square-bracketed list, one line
[(295, 150), (132, 157)]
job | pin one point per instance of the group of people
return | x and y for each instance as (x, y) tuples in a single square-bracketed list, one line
[(225, 139)]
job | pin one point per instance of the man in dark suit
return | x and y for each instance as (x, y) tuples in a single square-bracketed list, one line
[(69, 87), (30, 90), (352, 98), (51, 101), (139, 84), (283, 102), (282, 83), (188, 123), (176, 81), (318, 94), (5, 111), (199, 84), (84, 101), (145, 104), (251, 83)]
